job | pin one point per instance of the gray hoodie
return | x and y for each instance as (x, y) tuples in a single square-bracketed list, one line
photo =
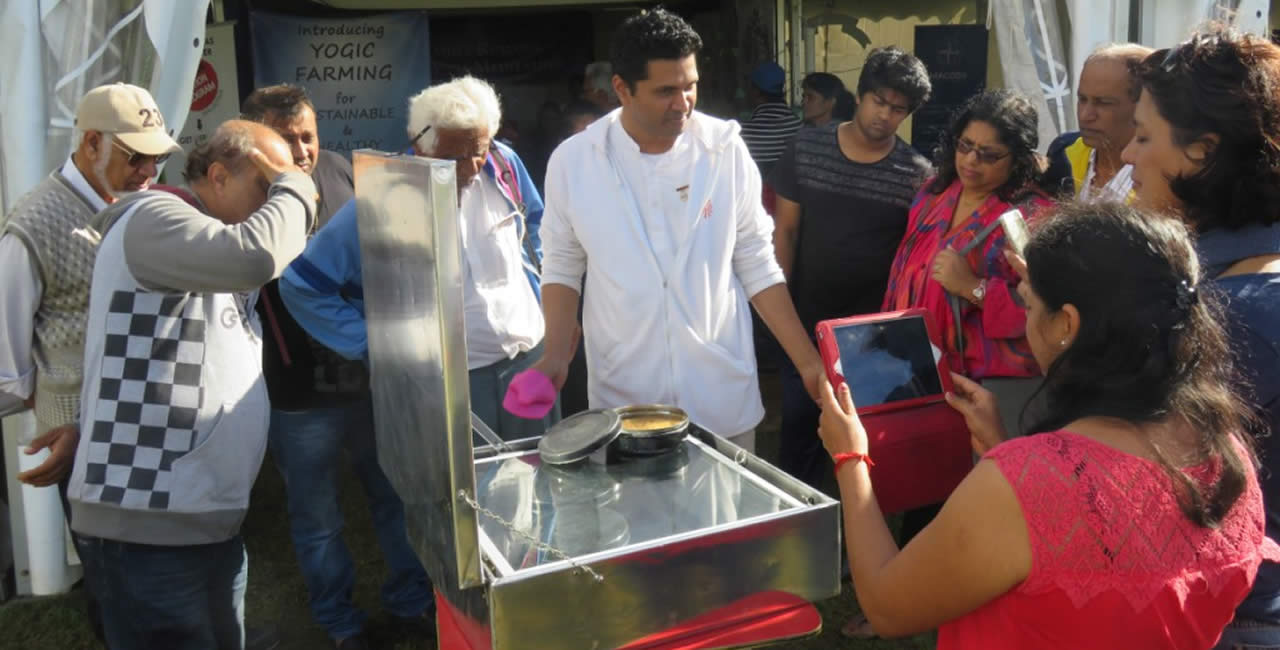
[(174, 407)]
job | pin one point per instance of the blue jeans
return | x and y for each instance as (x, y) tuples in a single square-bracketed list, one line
[(168, 597), (1249, 635), (489, 384), (307, 446)]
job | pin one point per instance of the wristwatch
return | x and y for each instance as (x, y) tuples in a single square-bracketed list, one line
[(980, 291)]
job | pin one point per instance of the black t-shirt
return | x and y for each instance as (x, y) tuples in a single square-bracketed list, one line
[(301, 373), (853, 216), (335, 182)]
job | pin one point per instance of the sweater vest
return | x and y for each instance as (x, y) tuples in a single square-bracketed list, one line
[(52, 221)]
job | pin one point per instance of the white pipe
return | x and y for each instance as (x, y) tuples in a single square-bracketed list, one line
[(46, 530)]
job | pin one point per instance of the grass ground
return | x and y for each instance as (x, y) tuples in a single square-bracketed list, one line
[(277, 595)]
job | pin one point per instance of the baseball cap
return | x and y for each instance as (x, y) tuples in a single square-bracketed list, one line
[(129, 114), (769, 77)]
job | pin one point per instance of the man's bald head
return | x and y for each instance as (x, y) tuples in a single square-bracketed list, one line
[(1128, 55), (230, 145), (222, 173)]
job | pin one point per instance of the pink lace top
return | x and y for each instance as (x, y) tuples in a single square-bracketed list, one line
[(1115, 562)]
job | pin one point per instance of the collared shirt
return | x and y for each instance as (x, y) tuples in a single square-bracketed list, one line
[(20, 292), (1253, 321), (502, 313), (1116, 189)]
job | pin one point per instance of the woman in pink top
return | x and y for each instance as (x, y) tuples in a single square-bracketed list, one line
[(1135, 520)]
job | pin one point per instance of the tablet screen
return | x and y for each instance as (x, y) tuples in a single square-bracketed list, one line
[(887, 361)]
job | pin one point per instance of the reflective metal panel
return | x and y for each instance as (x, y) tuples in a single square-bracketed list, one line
[(673, 538), (411, 260), (590, 507)]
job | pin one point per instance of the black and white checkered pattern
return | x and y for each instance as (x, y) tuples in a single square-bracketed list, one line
[(149, 397)]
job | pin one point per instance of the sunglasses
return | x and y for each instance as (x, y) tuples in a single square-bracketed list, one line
[(139, 159), (985, 156)]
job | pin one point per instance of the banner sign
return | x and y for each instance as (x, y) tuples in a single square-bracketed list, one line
[(956, 57), (215, 97), (359, 72)]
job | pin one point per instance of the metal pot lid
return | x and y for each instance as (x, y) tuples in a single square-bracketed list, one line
[(578, 436)]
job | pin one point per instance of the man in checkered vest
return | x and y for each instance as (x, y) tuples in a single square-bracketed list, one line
[(174, 407)]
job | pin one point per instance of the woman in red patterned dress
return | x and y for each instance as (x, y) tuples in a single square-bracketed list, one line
[(987, 165)]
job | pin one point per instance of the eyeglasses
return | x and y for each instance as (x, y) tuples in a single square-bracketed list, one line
[(139, 159), (413, 148), (413, 144), (985, 156)]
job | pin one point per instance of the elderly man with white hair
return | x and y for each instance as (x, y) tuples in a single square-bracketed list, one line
[(597, 85), (499, 214)]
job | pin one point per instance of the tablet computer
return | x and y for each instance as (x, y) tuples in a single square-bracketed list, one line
[(890, 361)]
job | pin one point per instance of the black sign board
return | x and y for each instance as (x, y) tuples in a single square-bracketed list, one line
[(533, 48), (956, 56)]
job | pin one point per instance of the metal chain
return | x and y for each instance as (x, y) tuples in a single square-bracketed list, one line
[(537, 543)]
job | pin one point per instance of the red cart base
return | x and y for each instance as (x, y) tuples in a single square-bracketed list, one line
[(759, 619)]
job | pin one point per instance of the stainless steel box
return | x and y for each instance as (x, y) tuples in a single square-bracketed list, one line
[(597, 555)]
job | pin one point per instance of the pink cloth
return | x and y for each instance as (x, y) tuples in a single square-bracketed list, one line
[(1115, 562), (995, 334), (530, 395)]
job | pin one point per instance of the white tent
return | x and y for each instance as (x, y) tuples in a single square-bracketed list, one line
[(58, 49), (1041, 52)]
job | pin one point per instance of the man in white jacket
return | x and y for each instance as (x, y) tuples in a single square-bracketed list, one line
[(660, 205)]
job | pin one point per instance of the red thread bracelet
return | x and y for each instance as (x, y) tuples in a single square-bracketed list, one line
[(841, 459)]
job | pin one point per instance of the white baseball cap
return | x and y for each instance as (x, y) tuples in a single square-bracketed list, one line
[(130, 115)]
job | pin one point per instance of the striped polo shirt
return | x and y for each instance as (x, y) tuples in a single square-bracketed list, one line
[(768, 131)]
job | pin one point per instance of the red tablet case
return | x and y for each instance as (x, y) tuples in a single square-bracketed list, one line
[(920, 446)]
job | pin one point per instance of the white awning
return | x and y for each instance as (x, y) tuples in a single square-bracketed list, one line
[(59, 49)]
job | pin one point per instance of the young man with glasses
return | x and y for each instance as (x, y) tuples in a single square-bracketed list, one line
[(843, 195)]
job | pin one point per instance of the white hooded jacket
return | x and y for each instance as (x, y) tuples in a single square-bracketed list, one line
[(678, 335)]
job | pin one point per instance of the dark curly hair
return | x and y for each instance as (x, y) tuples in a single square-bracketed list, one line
[(1151, 345), (1016, 123), (652, 34), (895, 69), (1227, 85)]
